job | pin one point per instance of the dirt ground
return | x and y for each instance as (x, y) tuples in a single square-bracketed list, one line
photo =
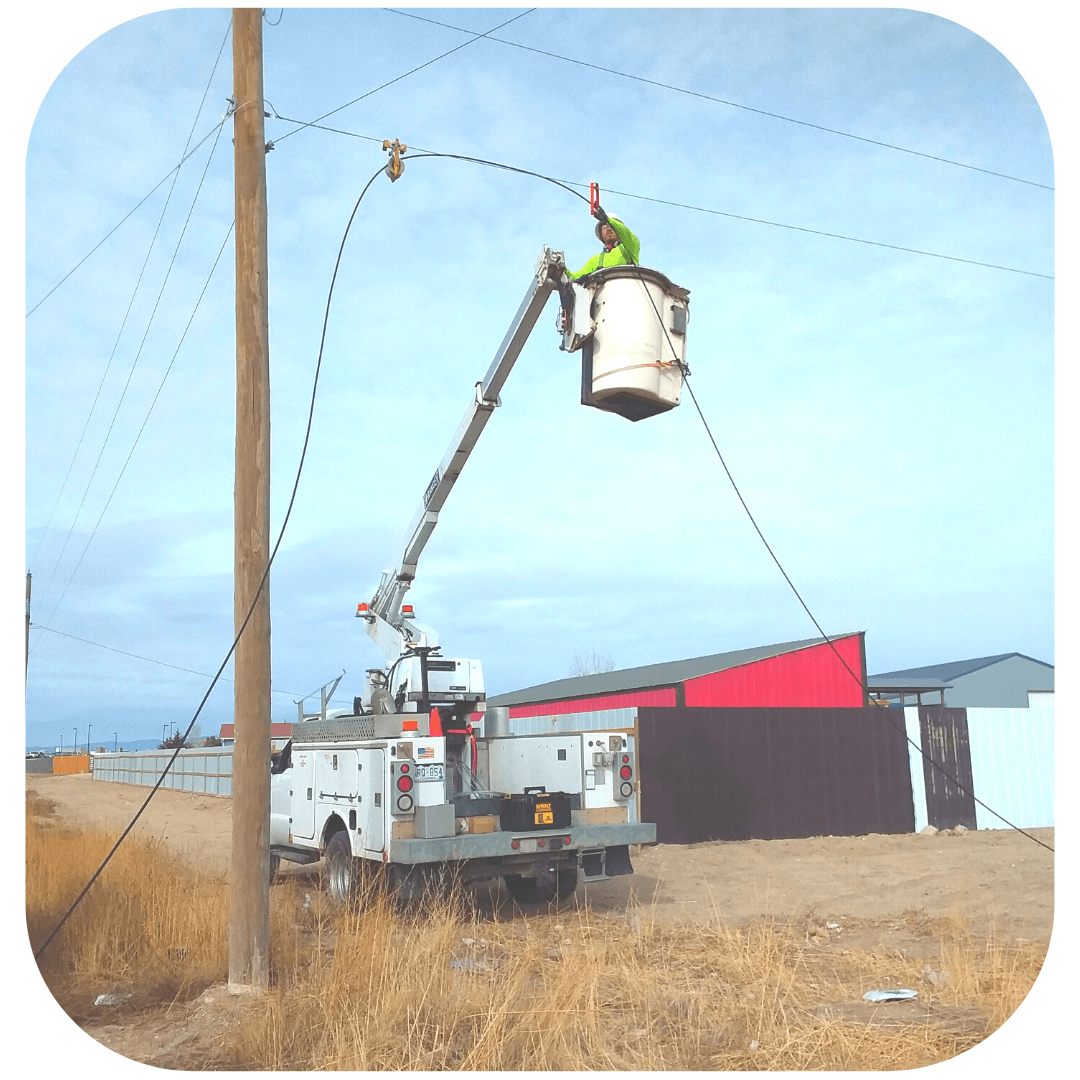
[(996, 878), (877, 891)]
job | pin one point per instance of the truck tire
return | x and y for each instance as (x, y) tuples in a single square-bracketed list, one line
[(340, 869), (531, 890), (566, 884)]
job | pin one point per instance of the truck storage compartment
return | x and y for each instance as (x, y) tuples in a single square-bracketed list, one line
[(536, 808)]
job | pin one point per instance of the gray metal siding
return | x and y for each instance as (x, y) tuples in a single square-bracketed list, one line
[(1003, 685), (560, 724), (204, 772)]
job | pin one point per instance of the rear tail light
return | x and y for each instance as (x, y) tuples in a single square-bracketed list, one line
[(401, 779)]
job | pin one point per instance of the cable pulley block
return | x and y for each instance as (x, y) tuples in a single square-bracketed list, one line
[(395, 166)]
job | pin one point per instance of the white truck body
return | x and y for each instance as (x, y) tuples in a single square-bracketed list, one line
[(344, 776)]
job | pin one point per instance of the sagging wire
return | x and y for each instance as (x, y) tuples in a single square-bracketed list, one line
[(258, 592), (883, 709), (686, 373)]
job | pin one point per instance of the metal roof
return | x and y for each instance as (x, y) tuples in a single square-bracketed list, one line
[(905, 682), (651, 675), (942, 673)]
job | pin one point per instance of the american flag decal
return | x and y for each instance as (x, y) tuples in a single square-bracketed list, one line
[(425, 752)]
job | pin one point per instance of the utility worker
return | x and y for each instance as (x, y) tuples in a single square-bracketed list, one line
[(621, 246)]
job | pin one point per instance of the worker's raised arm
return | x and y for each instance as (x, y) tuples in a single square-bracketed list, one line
[(626, 249)]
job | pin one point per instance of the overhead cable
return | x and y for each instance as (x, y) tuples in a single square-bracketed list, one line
[(138, 355), (258, 591), (882, 709), (405, 75), (108, 365), (731, 104), (174, 169), (162, 663), (698, 209)]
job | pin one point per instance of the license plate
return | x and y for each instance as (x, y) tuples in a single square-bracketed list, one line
[(429, 772)]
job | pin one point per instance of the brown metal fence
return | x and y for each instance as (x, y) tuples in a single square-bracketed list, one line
[(740, 774)]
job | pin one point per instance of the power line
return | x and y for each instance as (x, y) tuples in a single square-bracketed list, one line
[(699, 209), (825, 637), (138, 355), (731, 104), (151, 660), (798, 596), (831, 235), (420, 67), (301, 124), (174, 169), (258, 591), (108, 365)]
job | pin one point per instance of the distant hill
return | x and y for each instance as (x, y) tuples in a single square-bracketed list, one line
[(137, 744)]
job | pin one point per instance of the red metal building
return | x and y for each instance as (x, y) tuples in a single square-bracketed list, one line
[(795, 674)]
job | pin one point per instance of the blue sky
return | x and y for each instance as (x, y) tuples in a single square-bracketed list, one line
[(887, 415)]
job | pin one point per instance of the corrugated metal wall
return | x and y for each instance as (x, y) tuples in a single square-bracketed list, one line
[(1012, 766), (806, 678), (741, 774), (559, 723), (603, 703), (1011, 763), (206, 772), (71, 763)]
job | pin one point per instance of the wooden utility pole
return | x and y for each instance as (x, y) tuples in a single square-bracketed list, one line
[(26, 669), (249, 892)]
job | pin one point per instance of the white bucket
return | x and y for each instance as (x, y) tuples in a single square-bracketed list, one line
[(634, 362)]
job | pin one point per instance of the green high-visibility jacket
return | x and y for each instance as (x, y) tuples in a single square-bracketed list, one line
[(626, 251)]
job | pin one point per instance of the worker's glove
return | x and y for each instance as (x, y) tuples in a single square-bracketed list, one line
[(600, 216)]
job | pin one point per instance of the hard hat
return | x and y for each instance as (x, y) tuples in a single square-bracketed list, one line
[(600, 225)]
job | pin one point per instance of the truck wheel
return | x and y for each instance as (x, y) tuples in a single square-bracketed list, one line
[(340, 869), (566, 883), (526, 890), (531, 890)]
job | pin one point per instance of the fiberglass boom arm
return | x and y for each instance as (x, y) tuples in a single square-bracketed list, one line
[(385, 623)]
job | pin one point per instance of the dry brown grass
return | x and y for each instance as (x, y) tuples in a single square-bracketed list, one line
[(558, 991), (441, 988), (148, 925)]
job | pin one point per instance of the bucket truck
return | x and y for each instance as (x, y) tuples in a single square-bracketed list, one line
[(421, 777)]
